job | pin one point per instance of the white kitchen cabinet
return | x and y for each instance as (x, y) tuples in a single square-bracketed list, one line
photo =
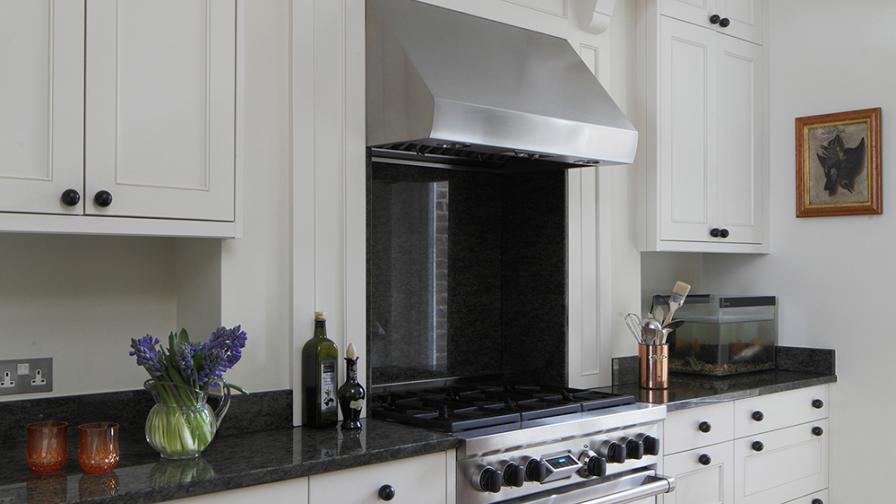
[(776, 411), (294, 491), (413, 480), (160, 108), (118, 110), (695, 427), (781, 465), (703, 476), (744, 16), (41, 104), (706, 163)]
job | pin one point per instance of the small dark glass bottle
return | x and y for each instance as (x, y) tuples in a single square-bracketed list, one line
[(351, 393), (319, 357)]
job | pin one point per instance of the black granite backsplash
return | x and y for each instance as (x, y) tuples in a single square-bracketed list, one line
[(259, 411), (467, 274)]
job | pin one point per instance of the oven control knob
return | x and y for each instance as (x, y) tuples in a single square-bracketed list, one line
[(634, 449), (514, 475), (612, 451), (592, 465), (651, 444), (489, 480), (536, 470)]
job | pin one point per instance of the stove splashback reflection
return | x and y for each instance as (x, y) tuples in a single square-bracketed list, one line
[(467, 274)]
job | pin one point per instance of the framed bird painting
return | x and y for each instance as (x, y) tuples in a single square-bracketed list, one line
[(838, 164)]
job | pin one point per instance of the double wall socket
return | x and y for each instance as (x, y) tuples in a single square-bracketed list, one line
[(26, 376)]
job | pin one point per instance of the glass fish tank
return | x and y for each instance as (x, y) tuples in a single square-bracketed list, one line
[(723, 336)]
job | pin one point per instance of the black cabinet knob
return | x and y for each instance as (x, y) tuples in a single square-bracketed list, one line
[(724, 22), (387, 492), (102, 198), (70, 197), (705, 427), (817, 403), (490, 480), (715, 232), (758, 416), (757, 446), (723, 233), (596, 466), (514, 475), (536, 470), (817, 431), (634, 449), (817, 501), (704, 459), (715, 18)]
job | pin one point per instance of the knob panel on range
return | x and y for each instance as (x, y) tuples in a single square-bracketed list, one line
[(592, 465), (513, 475), (651, 444), (489, 480), (634, 449), (536, 470)]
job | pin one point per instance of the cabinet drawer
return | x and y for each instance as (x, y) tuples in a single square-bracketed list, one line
[(703, 476), (816, 498), (776, 411), (683, 428), (781, 465), (415, 480)]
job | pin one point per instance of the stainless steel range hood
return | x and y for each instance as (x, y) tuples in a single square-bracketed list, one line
[(443, 84)]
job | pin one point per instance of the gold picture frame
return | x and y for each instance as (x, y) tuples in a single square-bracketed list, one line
[(838, 166)]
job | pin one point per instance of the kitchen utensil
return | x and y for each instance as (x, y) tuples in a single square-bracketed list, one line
[(652, 331), (633, 322), (679, 293), (657, 313)]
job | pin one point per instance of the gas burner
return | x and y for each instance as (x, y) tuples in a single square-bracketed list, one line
[(468, 406)]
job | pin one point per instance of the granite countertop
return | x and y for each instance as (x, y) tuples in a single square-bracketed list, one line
[(689, 391), (230, 462)]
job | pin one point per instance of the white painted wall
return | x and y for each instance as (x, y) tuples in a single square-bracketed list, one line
[(832, 275), (80, 299)]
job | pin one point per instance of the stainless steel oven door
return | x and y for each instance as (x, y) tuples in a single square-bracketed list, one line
[(624, 489)]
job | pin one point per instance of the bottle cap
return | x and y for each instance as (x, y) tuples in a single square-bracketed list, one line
[(320, 316)]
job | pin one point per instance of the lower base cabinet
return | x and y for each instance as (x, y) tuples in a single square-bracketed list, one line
[(816, 498), (425, 479), (294, 491), (703, 476), (782, 465), (413, 480)]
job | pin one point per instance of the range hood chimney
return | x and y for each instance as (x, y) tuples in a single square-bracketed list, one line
[(444, 84)]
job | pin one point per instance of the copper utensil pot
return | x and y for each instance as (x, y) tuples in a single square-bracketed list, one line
[(654, 366)]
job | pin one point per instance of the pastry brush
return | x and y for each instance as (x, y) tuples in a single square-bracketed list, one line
[(679, 293)]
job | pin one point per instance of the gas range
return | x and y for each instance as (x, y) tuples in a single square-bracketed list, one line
[(539, 445)]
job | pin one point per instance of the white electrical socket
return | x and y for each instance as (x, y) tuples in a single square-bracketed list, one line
[(7, 381), (26, 376)]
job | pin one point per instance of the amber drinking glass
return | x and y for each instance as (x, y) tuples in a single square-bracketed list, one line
[(47, 446), (98, 447)]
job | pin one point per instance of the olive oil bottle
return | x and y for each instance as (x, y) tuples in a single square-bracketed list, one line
[(319, 357)]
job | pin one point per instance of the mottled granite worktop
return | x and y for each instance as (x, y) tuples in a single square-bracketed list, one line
[(689, 391), (230, 462)]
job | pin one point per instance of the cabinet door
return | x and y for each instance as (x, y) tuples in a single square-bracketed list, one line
[(788, 463), (700, 480), (740, 165), (41, 104), (745, 16), (160, 108), (294, 491), (414, 480), (687, 123), (692, 11)]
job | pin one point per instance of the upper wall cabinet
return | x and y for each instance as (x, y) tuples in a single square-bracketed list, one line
[(126, 126), (738, 18), (706, 170)]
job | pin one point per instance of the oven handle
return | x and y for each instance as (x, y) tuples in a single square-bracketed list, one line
[(657, 485)]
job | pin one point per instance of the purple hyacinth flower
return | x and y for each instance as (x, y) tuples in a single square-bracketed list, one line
[(147, 353), (220, 353)]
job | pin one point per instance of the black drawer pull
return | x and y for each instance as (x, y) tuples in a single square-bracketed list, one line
[(704, 427), (757, 446)]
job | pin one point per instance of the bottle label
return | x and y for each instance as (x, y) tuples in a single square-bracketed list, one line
[(328, 386), (357, 404)]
